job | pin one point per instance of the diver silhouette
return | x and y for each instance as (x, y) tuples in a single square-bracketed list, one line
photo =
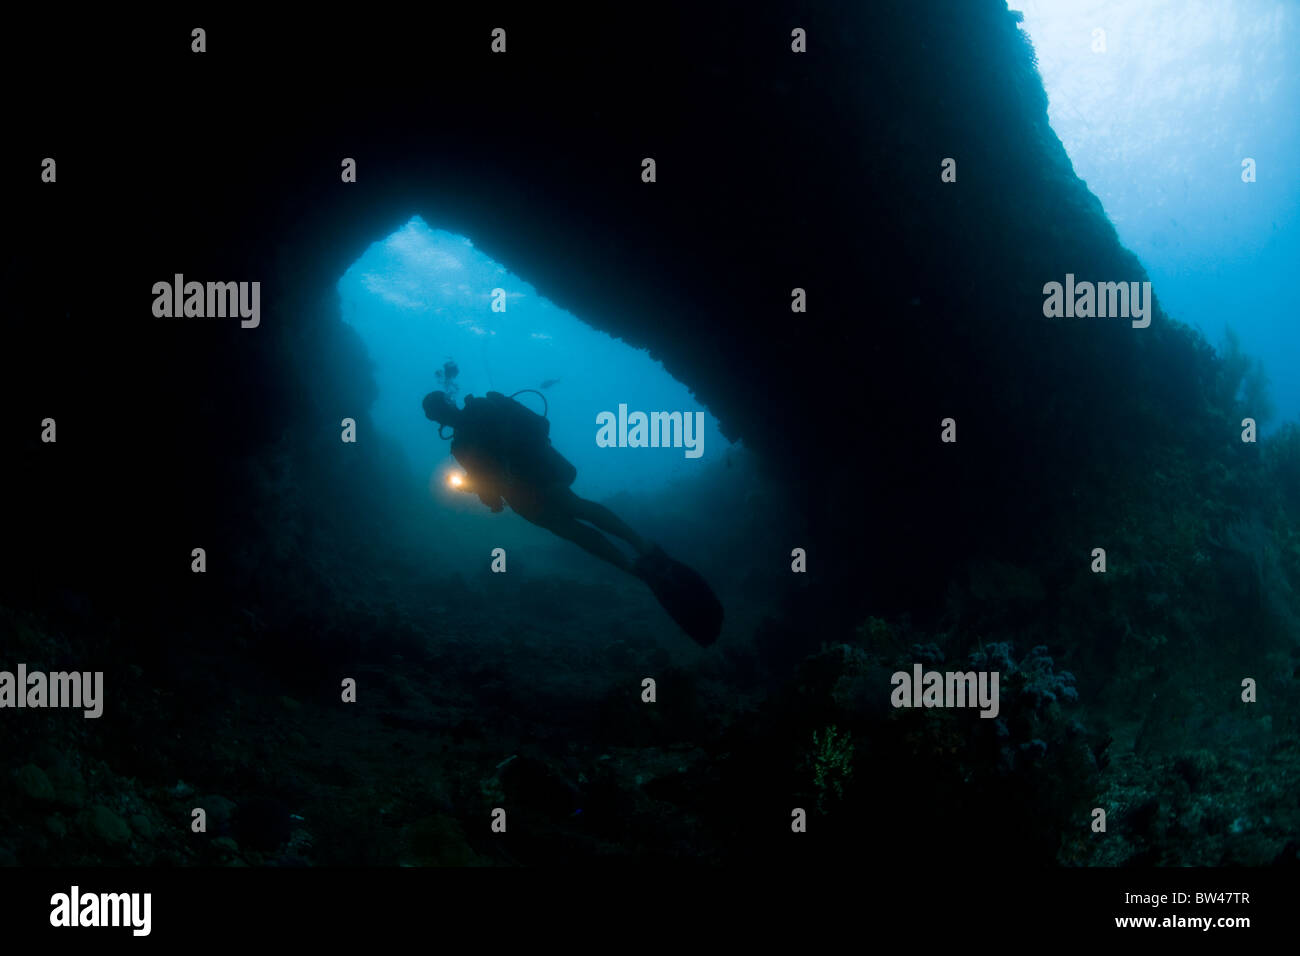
[(505, 449)]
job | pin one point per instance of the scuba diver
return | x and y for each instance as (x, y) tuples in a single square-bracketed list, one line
[(505, 449)]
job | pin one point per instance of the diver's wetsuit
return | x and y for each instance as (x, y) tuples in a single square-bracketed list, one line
[(506, 450)]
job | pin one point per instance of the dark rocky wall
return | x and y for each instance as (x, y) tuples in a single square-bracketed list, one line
[(775, 170)]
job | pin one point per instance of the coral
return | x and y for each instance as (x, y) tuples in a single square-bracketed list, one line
[(832, 764), (102, 824), (33, 782), (1031, 690)]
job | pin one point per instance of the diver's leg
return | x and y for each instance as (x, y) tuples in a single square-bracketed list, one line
[(605, 520), (584, 536)]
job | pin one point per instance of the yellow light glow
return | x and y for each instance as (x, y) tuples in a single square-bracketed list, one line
[(455, 479)]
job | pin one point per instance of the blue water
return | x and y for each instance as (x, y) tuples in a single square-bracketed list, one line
[(423, 296), (1158, 124)]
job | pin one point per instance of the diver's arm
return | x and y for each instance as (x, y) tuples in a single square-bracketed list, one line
[(490, 497), (481, 472)]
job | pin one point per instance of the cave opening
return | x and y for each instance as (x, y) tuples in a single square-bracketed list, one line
[(426, 302)]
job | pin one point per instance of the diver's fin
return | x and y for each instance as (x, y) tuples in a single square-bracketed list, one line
[(685, 595)]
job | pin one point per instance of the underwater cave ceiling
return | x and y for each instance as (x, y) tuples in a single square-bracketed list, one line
[(919, 293), (665, 266)]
